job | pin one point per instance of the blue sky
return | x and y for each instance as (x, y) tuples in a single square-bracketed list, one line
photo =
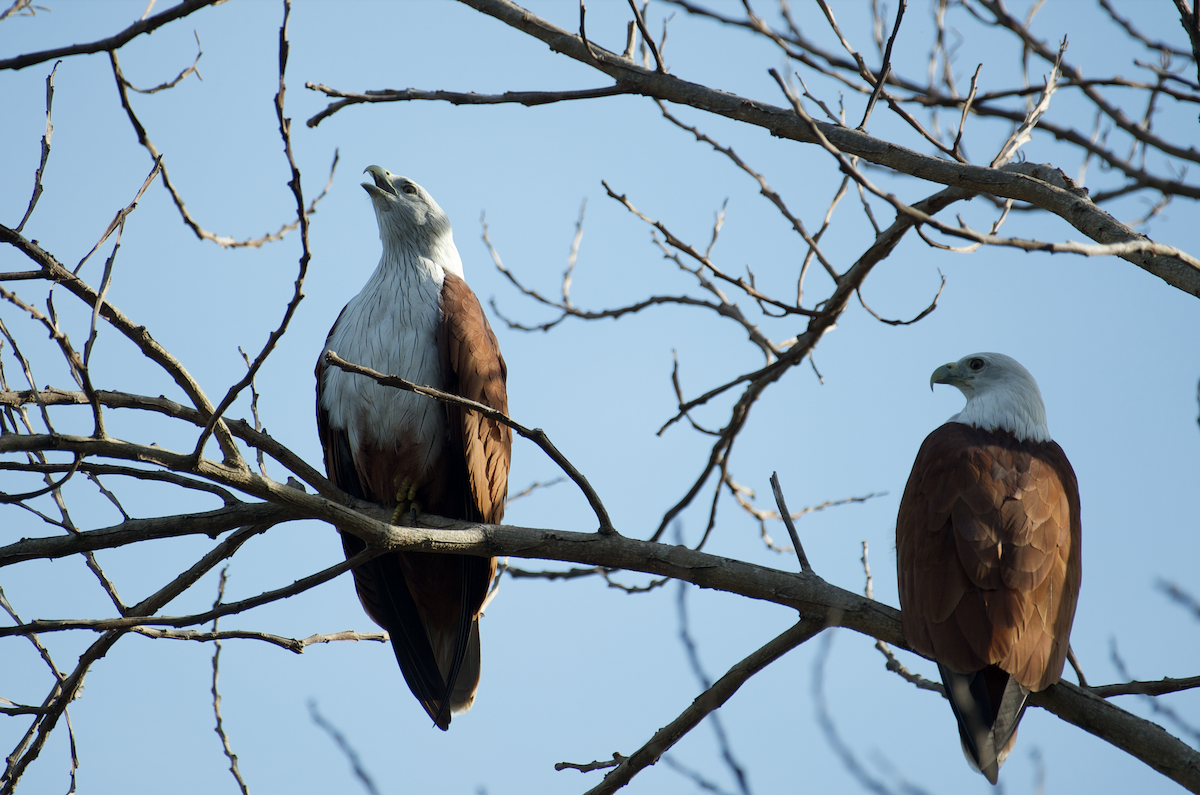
[(574, 671)]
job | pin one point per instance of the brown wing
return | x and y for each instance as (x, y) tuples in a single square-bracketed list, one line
[(988, 554), (480, 450), (473, 362)]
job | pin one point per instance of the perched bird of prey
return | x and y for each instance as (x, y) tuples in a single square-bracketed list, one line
[(988, 553), (417, 319)]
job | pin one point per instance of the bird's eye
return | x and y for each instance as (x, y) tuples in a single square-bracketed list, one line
[(976, 364), (409, 189)]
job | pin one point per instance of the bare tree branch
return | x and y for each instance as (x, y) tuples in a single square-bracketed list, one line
[(705, 703), (113, 42)]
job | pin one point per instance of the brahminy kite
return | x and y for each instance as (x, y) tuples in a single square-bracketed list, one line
[(988, 553), (417, 319)]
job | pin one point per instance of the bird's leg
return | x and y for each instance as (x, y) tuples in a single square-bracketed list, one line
[(406, 502)]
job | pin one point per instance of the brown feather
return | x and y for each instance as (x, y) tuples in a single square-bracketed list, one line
[(1004, 562), (472, 354)]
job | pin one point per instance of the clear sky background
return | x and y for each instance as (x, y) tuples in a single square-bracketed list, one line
[(575, 671)]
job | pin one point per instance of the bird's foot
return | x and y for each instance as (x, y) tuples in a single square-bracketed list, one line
[(406, 504)]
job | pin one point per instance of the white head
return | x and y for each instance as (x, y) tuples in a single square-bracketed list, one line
[(1001, 394), (410, 221)]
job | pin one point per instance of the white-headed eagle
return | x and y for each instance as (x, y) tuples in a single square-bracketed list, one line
[(988, 553), (417, 319)]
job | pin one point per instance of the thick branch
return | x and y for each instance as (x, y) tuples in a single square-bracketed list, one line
[(1147, 741), (210, 523)]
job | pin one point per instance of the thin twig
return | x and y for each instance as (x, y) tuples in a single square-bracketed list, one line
[(647, 39), (805, 566), (178, 78), (216, 693), (41, 169), (704, 704), (527, 98), (893, 664), (587, 767), (932, 306), (360, 771), (886, 67)]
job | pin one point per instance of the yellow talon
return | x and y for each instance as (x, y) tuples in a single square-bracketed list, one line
[(406, 502)]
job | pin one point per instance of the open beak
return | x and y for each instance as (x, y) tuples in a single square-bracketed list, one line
[(382, 182)]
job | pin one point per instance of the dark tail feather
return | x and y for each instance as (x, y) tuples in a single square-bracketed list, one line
[(462, 635), (474, 574), (467, 684), (413, 652), (988, 705), (384, 592)]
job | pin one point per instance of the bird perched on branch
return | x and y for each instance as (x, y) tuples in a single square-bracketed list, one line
[(988, 553), (417, 319)]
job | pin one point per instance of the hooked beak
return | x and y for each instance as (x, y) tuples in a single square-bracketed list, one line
[(382, 183), (946, 374)]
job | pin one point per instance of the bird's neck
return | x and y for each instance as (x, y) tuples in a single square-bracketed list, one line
[(1022, 415), (423, 254)]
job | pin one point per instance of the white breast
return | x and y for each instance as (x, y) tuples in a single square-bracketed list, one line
[(391, 327)]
